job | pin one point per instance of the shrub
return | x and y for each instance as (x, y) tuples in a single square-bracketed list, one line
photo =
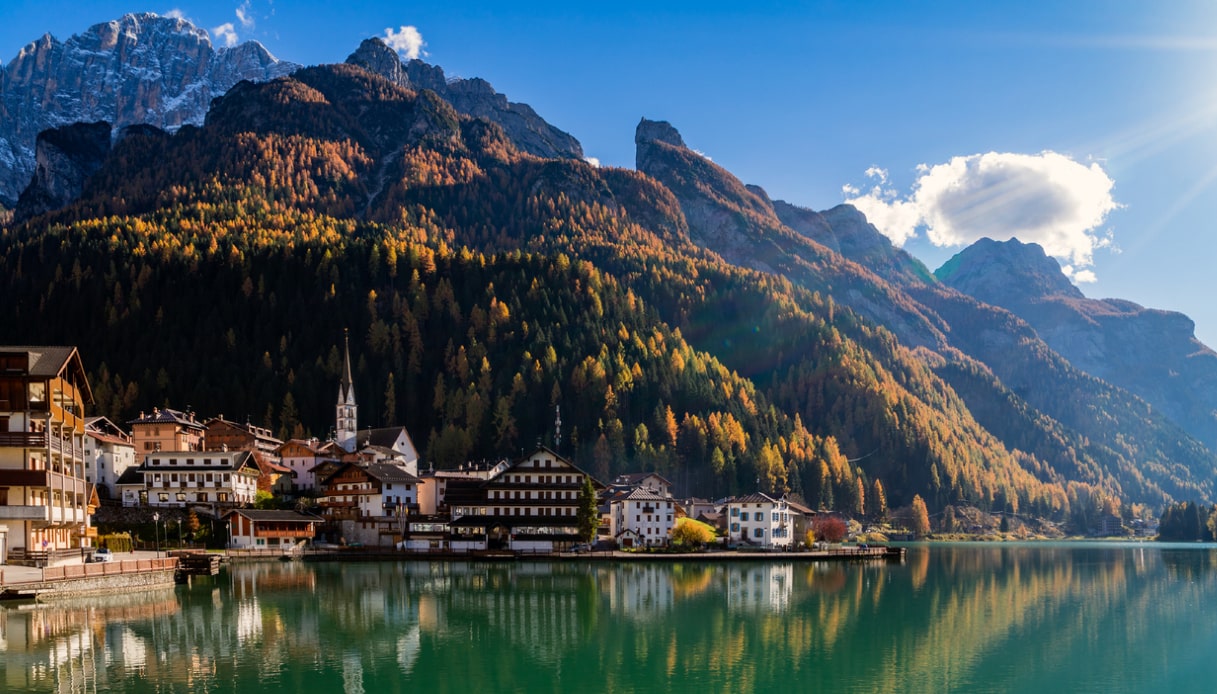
[(117, 542)]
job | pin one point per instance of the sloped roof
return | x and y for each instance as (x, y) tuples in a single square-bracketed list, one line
[(51, 361), (166, 415), (387, 472), (755, 498), (107, 438), (131, 475), (644, 494), (274, 516)]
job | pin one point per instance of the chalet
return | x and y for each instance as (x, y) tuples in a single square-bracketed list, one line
[(167, 430), (369, 503), (44, 492), (531, 505), (225, 435), (301, 457), (759, 519), (181, 478), (109, 452), (276, 530)]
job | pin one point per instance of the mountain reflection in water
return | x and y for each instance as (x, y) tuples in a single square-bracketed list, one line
[(1044, 617)]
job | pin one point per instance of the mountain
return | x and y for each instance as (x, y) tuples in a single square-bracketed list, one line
[(1152, 353), (472, 97), (678, 319), (1016, 386), (140, 68)]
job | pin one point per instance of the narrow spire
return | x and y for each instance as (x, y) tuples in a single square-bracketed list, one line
[(348, 391)]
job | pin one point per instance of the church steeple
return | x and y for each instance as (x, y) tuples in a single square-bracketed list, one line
[(347, 421)]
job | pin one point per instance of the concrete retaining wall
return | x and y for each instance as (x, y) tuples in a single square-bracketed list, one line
[(74, 580)]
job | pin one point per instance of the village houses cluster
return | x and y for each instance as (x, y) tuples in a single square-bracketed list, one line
[(57, 466)]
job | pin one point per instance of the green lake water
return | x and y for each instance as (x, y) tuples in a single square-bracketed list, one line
[(951, 618)]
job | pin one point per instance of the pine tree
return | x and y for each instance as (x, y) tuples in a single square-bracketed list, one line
[(588, 515)]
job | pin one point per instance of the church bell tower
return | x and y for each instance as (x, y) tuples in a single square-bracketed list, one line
[(347, 420)]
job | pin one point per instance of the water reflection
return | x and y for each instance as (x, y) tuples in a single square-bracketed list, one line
[(954, 618)]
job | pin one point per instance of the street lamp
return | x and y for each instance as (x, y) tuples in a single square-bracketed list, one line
[(156, 520)]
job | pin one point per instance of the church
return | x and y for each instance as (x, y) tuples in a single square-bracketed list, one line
[(383, 444)]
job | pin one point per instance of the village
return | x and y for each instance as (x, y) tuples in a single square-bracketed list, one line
[(60, 469)]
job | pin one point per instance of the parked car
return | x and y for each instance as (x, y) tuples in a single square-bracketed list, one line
[(581, 547), (103, 555)]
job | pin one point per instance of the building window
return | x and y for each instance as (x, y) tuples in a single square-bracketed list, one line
[(735, 527), (734, 511), (759, 532), (202, 496), (163, 497), (181, 496), (743, 516)]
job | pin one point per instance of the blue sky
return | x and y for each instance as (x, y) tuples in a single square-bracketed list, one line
[(1090, 127)]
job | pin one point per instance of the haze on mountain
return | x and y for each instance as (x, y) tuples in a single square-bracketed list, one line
[(680, 320)]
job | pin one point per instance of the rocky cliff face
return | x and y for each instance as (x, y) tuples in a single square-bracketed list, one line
[(474, 97), (1151, 353), (65, 158), (141, 68)]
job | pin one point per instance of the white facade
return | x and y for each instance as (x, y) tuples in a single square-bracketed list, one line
[(179, 478), (760, 520), (643, 518), (108, 454)]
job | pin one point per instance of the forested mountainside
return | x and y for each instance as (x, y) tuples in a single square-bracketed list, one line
[(490, 288)]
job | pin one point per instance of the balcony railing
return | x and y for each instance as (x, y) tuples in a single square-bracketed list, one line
[(23, 513)]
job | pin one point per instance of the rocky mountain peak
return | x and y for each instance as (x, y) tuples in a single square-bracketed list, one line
[(139, 68), (991, 270), (473, 97), (649, 131), (374, 55)]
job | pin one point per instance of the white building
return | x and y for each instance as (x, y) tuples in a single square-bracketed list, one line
[(181, 478), (643, 518), (109, 452), (759, 519)]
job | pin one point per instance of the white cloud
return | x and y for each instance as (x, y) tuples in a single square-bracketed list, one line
[(407, 41), (244, 17), (176, 13), (1045, 198), (226, 34), (594, 161)]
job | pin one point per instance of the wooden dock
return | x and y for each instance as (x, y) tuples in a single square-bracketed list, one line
[(196, 563)]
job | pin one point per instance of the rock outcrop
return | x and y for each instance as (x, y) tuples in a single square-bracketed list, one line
[(141, 68), (473, 97), (65, 158)]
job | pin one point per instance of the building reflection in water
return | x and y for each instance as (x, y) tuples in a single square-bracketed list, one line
[(372, 627)]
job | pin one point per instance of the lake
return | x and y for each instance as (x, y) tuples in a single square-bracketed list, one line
[(1062, 617)]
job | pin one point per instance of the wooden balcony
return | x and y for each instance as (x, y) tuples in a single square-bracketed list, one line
[(295, 531)]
